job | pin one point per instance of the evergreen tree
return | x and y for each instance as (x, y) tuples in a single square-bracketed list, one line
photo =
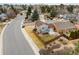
[(24, 7), (62, 6), (75, 34), (53, 13), (43, 9), (70, 9), (35, 15), (48, 9), (29, 11), (72, 35)]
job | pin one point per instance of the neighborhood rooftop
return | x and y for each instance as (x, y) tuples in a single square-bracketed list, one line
[(64, 25)]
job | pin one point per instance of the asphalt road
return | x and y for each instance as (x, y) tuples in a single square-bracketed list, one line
[(14, 42)]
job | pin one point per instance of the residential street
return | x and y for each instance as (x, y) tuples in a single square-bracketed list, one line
[(14, 42)]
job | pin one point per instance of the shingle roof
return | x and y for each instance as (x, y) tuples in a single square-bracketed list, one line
[(64, 25), (39, 23)]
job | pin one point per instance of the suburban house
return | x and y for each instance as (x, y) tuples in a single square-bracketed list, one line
[(3, 17), (64, 26), (69, 16), (41, 27), (59, 25), (19, 8)]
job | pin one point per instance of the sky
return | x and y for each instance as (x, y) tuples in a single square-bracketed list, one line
[(40, 1)]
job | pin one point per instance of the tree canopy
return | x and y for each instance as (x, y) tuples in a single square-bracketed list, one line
[(53, 13), (35, 15), (74, 35), (70, 9), (29, 10)]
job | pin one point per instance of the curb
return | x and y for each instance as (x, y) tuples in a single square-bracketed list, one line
[(1, 40), (30, 41)]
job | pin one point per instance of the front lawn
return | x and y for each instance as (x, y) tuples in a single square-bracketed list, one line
[(1, 26), (39, 40), (34, 37)]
